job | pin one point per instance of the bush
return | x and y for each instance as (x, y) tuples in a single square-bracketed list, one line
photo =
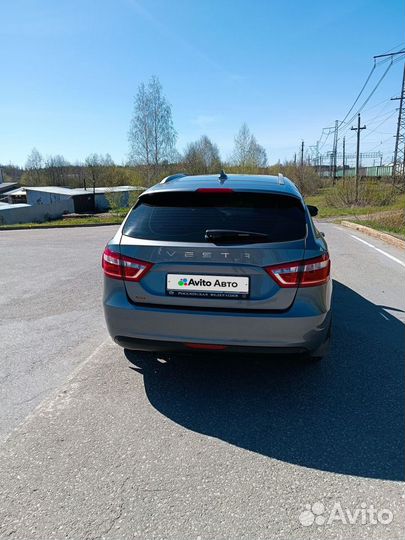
[(371, 193), (306, 178), (133, 197), (115, 200)]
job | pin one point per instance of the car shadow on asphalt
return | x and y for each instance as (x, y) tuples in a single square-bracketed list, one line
[(343, 415)]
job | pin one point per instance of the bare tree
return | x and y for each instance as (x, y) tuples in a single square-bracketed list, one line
[(152, 137), (56, 170), (33, 167), (248, 153), (202, 156), (94, 164)]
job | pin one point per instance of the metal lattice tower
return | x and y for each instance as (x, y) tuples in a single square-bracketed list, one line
[(398, 169)]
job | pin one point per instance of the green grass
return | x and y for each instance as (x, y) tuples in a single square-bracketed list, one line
[(120, 212), (71, 222), (393, 222), (326, 211), (383, 227)]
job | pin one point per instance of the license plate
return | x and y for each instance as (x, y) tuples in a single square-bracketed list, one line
[(207, 286)]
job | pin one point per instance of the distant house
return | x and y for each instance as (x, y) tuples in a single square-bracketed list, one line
[(15, 196), (26, 213), (6, 187), (78, 200), (70, 199)]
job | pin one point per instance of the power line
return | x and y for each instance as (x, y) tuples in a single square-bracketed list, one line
[(380, 143), (401, 44), (365, 84), (344, 125), (380, 124), (359, 94), (372, 92)]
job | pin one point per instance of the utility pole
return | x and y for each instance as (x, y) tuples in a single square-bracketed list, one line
[(302, 161), (344, 157), (331, 166), (358, 129), (334, 155), (399, 152), (295, 159), (302, 153)]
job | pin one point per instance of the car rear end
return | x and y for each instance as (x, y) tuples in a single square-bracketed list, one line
[(218, 268)]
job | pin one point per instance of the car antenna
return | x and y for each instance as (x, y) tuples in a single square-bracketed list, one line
[(222, 177)]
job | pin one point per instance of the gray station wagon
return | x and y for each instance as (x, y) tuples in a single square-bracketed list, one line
[(229, 263)]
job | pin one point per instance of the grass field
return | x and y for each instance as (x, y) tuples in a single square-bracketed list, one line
[(393, 222), (326, 211)]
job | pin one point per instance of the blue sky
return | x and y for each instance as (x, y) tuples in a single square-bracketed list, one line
[(70, 70)]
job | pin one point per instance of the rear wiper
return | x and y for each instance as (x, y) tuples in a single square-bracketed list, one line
[(221, 236)]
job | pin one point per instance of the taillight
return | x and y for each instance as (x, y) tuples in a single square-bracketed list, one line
[(307, 273), (119, 266)]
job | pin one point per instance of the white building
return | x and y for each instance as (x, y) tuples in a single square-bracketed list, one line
[(51, 202)]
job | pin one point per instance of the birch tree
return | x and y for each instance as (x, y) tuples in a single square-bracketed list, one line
[(152, 137)]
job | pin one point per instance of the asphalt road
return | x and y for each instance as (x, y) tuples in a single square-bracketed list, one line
[(102, 444)]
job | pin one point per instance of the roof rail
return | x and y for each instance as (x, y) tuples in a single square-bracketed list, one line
[(172, 177), (281, 178)]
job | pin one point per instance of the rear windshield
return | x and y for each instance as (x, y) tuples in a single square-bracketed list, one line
[(185, 216)]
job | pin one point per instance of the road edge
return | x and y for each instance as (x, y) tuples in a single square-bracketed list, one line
[(389, 238)]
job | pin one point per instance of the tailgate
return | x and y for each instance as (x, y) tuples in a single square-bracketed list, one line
[(192, 269), (234, 277)]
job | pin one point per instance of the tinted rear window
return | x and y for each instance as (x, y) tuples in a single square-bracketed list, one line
[(185, 216)]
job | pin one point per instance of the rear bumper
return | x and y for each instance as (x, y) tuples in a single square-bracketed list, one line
[(303, 328), (178, 347)]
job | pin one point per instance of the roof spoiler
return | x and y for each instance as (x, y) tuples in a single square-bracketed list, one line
[(172, 177)]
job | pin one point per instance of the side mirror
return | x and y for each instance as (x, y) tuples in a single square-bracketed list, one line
[(313, 210)]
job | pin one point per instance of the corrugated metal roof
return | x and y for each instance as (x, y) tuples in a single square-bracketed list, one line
[(6, 206), (6, 186), (18, 191), (52, 189)]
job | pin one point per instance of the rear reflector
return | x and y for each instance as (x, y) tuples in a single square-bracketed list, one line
[(214, 190), (119, 266), (205, 346), (307, 273)]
